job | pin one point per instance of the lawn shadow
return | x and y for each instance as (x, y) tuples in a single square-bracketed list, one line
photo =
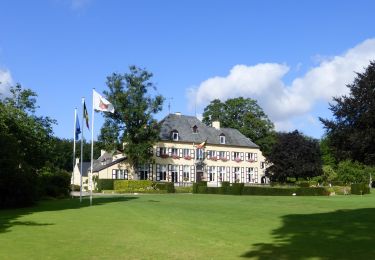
[(342, 234), (8, 217)]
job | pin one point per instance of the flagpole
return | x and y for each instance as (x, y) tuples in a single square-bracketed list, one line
[(92, 145), (80, 192), (74, 144)]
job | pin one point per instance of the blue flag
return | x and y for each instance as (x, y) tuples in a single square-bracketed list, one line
[(78, 128)]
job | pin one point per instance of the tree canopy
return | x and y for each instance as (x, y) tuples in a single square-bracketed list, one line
[(352, 130), (245, 115), (294, 155), (132, 123), (25, 141)]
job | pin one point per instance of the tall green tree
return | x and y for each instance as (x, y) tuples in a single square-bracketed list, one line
[(294, 155), (25, 141), (352, 130), (132, 123), (245, 115)]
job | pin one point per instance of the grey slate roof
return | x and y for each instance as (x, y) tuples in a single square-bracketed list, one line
[(184, 125), (98, 167), (85, 168)]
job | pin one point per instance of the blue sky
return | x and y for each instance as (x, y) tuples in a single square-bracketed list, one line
[(292, 56)]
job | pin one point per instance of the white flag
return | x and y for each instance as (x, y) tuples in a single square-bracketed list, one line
[(102, 104)]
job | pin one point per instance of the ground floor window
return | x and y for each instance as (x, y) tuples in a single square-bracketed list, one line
[(120, 174), (211, 173), (161, 172), (220, 173), (174, 173), (186, 173), (143, 172), (250, 175)]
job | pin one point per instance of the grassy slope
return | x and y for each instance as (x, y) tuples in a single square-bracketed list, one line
[(186, 226)]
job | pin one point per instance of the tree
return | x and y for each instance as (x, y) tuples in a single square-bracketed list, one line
[(245, 115), (327, 155), (132, 123), (294, 155), (354, 172), (25, 146), (61, 153), (352, 131)]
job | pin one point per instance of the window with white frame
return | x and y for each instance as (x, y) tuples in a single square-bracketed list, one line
[(162, 173), (185, 152), (252, 157), (222, 155), (222, 139), (143, 172), (236, 174), (200, 154), (120, 174), (220, 173), (236, 156), (174, 152), (211, 173), (195, 129), (163, 151), (250, 174), (175, 136), (186, 172), (174, 173)]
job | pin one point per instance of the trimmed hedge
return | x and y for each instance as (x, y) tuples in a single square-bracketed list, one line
[(199, 184), (186, 189), (360, 188), (104, 184), (142, 186), (236, 188), (240, 189), (167, 186), (132, 185)]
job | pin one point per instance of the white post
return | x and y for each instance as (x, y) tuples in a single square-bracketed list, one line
[(80, 191), (92, 146), (74, 144)]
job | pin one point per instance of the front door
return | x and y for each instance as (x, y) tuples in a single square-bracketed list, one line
[(199, 176)]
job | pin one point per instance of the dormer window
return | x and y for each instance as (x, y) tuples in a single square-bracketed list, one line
[(222, 139), (175, 135), (195, 129)]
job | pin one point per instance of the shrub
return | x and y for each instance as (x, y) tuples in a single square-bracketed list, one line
[(132, 185), (303, 183), (299, 191), (167, 186), (54, 183), (236, 188), (104, 184), (360, 188), (202, 189), (18, 189), (186, 189), (199, 184)]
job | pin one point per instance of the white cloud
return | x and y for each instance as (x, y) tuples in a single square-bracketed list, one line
[(79, 4), (264, 82), (5, 82)]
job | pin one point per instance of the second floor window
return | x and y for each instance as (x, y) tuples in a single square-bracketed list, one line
[(174, 152), (163, 151), (200, 154)]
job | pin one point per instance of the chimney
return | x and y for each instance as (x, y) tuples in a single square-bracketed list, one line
[(216, 124), (102, 152)]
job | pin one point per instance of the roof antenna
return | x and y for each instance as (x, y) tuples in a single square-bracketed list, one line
[(169, 104)]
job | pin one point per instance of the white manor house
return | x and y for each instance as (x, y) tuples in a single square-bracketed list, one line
[(187, 151)]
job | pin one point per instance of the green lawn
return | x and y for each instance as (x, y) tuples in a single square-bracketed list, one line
[(186, 226)]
